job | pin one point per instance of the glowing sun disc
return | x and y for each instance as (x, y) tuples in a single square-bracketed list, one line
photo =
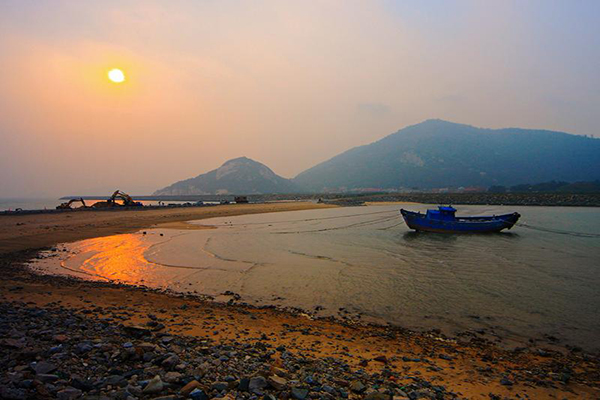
[(116, 75)]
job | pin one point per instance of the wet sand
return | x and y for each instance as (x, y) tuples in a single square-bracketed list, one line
[(471, 367), (22, 232)]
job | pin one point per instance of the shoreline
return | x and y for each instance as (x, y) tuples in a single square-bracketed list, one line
[(30, 231), (480, 198), (503, 337), (475, 369), (542, 199), (401, 358)]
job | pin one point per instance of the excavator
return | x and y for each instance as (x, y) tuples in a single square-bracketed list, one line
[(112, 201), (67, 205)]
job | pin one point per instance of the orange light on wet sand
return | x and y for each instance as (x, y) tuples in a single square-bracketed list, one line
[(116, 75)]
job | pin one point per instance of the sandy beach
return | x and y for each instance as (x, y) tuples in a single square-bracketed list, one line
[(231, 349), (22, 232)]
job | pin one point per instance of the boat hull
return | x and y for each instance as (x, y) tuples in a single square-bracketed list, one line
[(497, 223)]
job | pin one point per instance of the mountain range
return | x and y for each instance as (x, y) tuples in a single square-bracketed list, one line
[(237, 176), (432, 154)]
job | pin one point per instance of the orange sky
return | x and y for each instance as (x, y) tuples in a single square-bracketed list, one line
[(288, 84)]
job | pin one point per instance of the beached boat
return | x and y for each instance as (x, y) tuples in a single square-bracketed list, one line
[(444, 220)]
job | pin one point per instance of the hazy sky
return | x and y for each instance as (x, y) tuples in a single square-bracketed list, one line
[(287, 83)]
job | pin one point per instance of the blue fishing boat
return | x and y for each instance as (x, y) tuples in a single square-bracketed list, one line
[(444, 220)]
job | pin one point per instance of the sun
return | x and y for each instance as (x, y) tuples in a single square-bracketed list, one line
[(116, 75)]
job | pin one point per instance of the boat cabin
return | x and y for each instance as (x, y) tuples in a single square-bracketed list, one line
[(442, 213)]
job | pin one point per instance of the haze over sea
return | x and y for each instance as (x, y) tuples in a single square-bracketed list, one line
[(363, 261)]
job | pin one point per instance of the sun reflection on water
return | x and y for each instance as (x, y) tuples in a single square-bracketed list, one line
[(118, 258)]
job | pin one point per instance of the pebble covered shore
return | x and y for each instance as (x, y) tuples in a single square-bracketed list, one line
[(125, 351), (52, 352)]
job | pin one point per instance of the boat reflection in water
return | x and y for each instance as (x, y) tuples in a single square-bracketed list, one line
[(414, 236)]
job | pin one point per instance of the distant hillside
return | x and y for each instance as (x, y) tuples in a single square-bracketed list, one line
[(238, 176), (435, 154)]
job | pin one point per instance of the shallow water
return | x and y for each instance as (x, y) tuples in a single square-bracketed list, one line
[(523, 283)]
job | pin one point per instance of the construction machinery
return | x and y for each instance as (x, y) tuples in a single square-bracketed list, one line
[(67, 205), (113, 201), (241, 200)]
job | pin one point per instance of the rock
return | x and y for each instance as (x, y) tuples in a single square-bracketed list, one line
[(69, 393), (328, 389), (80, 384), (25, 384), (46, 378), (543, 353), (408, 359), (155, 385), (170, 362), (381, 359), (60, 338), (173, 377), (299, 393), (82, 348), (565, 377), (340, 382), (157, 327), (145, 347), (421, 394), (134, 390), (378, 396), (187, 389), (220, 386), (42, 391), (506, 382), (43, 367), (136, 331), (115, 380), (198, 394), (257, 384), (167, 339), (279, 372), (9, 393), (357, 387), (278, 383), (244, 385), (13, 343)]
